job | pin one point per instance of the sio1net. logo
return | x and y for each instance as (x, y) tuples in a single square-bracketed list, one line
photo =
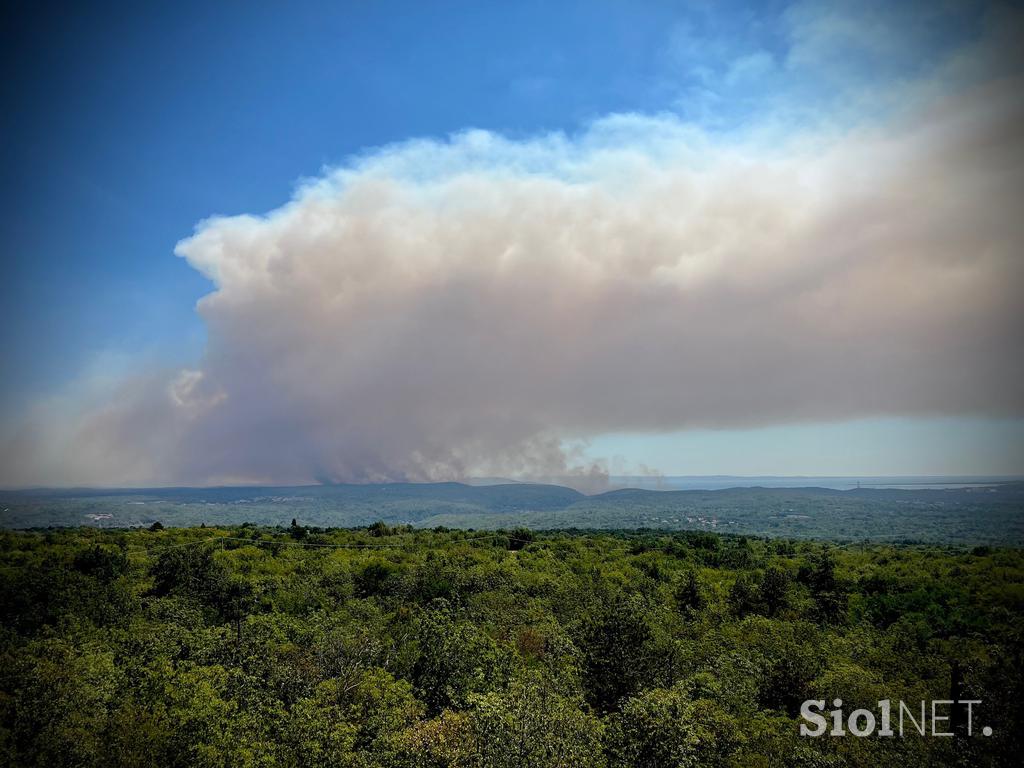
[(939, 717)]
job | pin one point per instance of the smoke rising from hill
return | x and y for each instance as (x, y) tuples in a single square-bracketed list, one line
[(439, 309)]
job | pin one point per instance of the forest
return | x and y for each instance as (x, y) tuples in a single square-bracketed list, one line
[(389, 646)]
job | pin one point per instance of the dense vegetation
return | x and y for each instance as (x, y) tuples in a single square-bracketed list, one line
[(387, 646), (969, 516)]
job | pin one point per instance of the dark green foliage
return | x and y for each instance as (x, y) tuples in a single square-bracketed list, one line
[(101, 563), (617, 650), (774, 590), (744, 596), (531, 722), (829, 593), (187, 570), (668, 728), (519, 538), (688, 593), (297, 531), (373, 578), (456, 660), (389, 647)]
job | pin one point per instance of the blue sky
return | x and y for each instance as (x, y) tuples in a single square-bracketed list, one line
[(127, 124)]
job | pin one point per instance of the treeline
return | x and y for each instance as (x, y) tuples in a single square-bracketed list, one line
[(388, 646)]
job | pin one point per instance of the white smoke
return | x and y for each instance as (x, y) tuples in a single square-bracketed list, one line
[(479, 306)]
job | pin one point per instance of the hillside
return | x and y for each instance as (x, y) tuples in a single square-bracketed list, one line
[(987, 515)]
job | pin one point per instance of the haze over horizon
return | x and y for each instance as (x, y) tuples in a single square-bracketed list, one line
[(771, 239)]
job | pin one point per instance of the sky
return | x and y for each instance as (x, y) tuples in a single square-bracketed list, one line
[(261, 242)]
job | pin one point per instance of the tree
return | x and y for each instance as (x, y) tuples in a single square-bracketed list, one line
[(663, 728), (519, 538), (189, 571), (616, 643), (774, 590), (744, 596), (297, 531), (530, 723), (688, 594), (830, 595), (456, 659), (233, 598), (102, 563), (373, 578)]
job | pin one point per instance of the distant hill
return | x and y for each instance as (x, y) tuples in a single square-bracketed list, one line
[(991, 514)]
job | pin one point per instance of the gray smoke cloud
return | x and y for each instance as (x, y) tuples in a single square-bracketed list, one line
[(480, 306)]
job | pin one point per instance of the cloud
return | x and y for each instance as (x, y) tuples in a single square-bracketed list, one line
[(438, 309)]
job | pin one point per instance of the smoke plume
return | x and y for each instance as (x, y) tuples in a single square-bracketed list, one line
[(480, 306)]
